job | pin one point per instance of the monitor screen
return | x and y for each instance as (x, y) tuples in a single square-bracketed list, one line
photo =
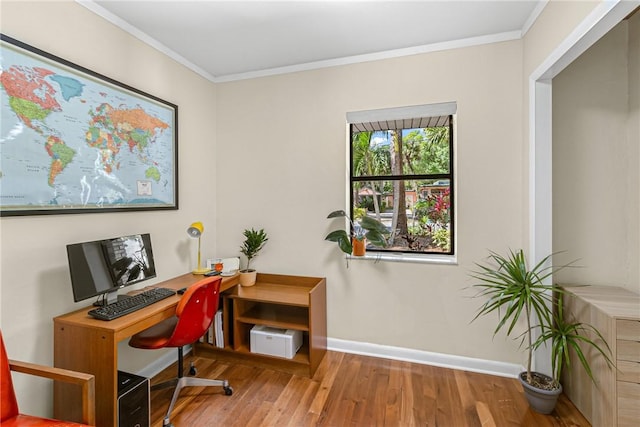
[(89, 271), (104, 266), (130, 259)]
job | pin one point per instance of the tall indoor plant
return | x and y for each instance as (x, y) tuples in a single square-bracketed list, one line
[(253, 243), (516, 292), (354, 242), (565, 335)]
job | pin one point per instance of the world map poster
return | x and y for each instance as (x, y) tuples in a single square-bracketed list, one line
[(75, 141)]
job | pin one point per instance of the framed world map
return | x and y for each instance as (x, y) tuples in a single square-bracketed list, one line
[(75, 141)]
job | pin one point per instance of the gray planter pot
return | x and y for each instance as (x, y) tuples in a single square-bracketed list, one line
[(540, 400)]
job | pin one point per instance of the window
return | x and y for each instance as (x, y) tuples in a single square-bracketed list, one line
[(401, 173)]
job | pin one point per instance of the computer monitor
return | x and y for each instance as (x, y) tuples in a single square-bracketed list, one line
[(101, 267)]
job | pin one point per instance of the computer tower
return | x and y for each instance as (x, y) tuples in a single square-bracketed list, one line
[(133, 400)]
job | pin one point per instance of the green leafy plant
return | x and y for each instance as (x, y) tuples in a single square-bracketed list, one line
[(368, 228), (253, 243), (514, 291), (512, 288), (565, 336), (442, 238)]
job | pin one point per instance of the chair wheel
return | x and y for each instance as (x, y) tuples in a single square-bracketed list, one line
[(166, 422), (228, 391), (193, 371)]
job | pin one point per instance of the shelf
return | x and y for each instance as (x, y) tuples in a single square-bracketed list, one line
[(277, 316), (302, 356), (279, 301), (299, 365), (274, 293)]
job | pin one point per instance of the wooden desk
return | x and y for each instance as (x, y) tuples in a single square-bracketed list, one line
[(85, 344)]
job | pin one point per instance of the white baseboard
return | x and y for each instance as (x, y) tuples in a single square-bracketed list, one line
[(482, 366), (450, 361)]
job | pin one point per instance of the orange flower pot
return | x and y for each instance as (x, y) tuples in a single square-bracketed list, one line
[(359, 247)]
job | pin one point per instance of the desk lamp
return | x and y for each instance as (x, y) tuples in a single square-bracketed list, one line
[(195, 230)]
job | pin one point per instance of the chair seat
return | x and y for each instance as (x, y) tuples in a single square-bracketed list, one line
[(31, 421), (156, 336), (194, 314)]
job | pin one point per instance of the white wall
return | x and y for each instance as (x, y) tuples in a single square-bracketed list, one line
[(595, 163), (35, 284)]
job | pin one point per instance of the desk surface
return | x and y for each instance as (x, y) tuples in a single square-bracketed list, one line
[(82, 317), (86, 344)]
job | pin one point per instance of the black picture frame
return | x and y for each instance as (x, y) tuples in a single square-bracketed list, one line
[(75, 141)]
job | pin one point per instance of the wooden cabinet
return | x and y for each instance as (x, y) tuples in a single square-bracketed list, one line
[(615, 312), (279, 301)]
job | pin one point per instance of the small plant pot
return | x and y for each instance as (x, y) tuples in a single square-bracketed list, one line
[(541, 400), (248, 277), (359, 247)]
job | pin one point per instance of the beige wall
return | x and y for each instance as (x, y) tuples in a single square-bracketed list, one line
[(555, 23), (634, 135), (270, 153), (34, 281), (595, 162), (557, 20), (282, 143)]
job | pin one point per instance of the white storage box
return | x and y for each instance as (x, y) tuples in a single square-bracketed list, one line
[(275, 342)]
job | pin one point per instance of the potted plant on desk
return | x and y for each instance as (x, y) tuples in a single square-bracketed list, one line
[(514, 292), (253, 243)]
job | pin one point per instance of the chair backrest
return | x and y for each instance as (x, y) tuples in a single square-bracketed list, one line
[(8, 402), (195, 311)]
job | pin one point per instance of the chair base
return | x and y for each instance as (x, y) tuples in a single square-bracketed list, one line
[(183, 382)]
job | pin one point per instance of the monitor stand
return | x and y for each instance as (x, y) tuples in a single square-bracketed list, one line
[(110, 298)]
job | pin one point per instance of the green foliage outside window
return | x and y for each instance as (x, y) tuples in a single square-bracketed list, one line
[(409, 168)]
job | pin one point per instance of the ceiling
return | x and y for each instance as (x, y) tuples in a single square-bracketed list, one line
[(231, 40)]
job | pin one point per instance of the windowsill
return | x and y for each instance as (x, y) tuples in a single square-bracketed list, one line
[(407, 257)]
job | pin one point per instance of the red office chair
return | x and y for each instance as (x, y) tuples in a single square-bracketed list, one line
[(194, 315), (10, 415)]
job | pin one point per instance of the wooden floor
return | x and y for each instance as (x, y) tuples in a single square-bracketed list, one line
[(352, 390)]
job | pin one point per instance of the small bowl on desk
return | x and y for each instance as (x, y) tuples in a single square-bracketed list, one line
[(228, 273)]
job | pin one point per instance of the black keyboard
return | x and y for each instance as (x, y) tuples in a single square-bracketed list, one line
[(131, 303)]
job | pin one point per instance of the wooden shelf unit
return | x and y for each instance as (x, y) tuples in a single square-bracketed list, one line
[(615, 313), (279, 301)]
